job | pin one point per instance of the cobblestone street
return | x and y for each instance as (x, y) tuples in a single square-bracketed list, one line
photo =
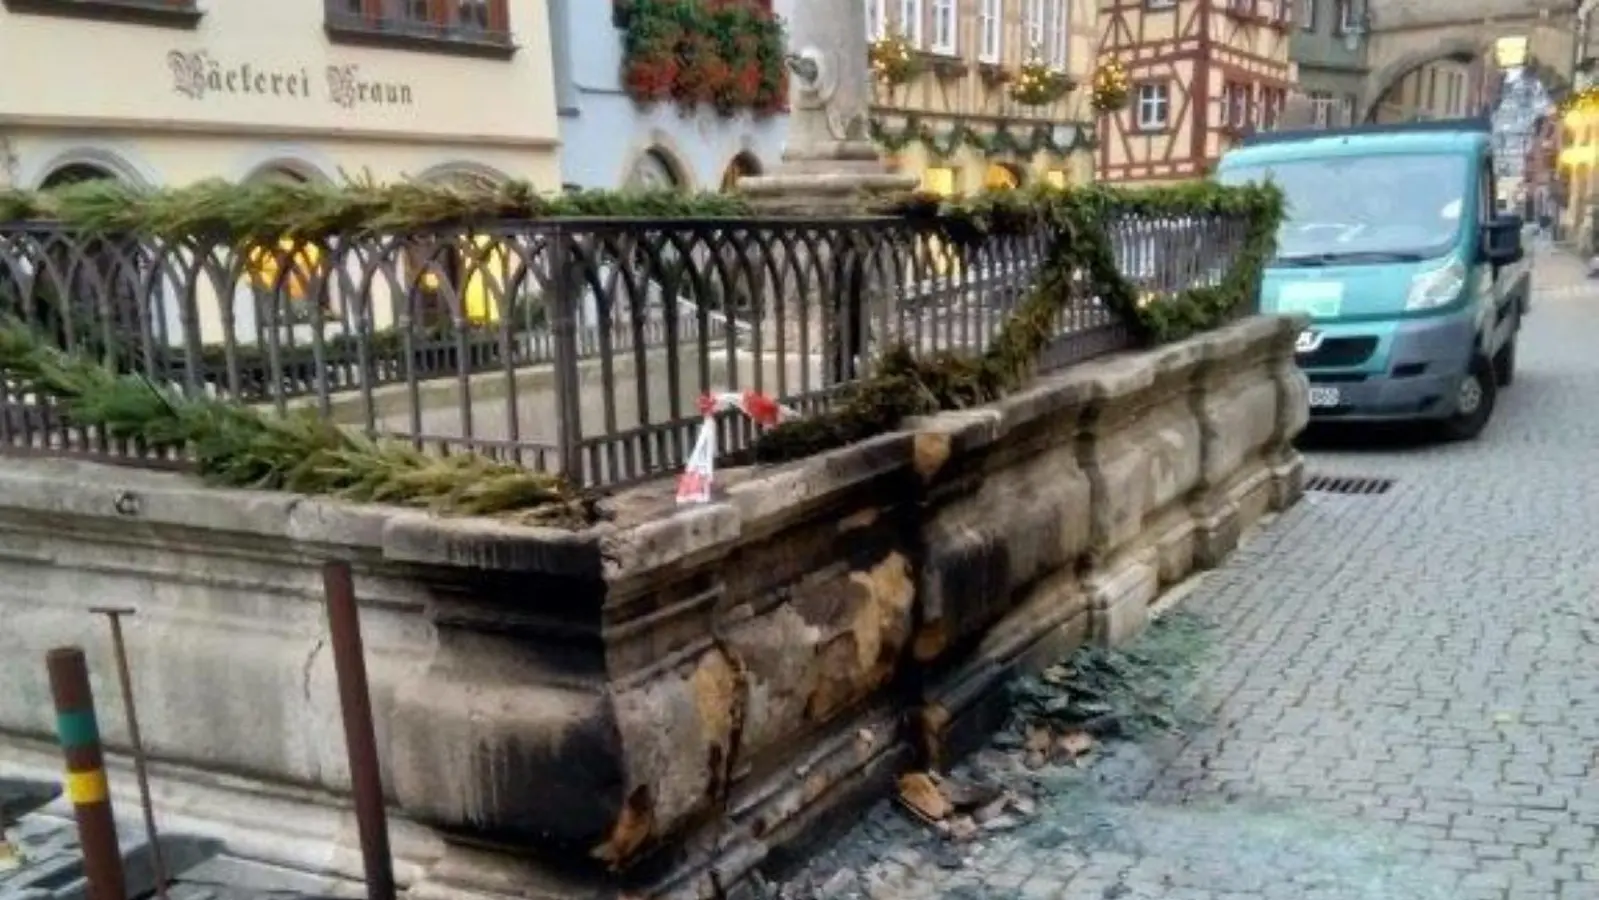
[(1404, 691)]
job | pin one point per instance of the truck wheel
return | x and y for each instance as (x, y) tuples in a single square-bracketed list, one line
[(1505, 362), (1474, 401)]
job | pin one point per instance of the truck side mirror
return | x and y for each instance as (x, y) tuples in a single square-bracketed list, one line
[(1501, 241)]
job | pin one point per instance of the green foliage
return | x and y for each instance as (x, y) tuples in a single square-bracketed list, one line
[(726, 54), (905, 385), (1003, 141), (270, 211), (239, 446)]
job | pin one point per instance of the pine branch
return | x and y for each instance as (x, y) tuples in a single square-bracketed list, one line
[(238, 446)]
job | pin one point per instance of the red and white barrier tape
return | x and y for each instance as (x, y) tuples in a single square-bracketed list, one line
[(694, 484)]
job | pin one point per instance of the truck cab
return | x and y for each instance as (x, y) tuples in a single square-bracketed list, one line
[(1393, 245)]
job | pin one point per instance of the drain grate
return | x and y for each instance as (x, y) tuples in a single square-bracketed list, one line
[(1348, 484)]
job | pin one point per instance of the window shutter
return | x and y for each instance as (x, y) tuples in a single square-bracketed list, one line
[(372, 11), (500, 15), (439, 12)]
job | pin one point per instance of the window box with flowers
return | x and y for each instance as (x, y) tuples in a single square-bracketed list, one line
[(1111, 88), (994, 75), (1037, 84), (893, 60), (942, 65), (723, 54)]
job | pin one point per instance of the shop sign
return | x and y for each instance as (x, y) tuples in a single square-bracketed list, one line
[(200, 76)]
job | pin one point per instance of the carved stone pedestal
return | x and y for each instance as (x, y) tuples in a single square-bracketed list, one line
[(829, 164)]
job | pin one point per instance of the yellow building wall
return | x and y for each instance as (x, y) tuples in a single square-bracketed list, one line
[(939, 101)]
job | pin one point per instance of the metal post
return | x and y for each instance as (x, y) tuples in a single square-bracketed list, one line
[(86, 784), (563, 332), (355, 701), (140, 772)]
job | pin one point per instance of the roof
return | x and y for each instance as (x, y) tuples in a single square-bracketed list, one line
[(1444, 136)]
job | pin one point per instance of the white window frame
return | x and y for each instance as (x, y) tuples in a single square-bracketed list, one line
[(1321, 107), (1153, 109), (912, 22), (945, 26), (1307, 14), (990, 31), (876, 19), (1033, 28), (1346, 110), (1346, 16), (1236, 102), (1059, 41), (1272, 101)]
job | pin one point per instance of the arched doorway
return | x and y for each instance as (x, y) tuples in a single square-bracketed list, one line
[(1002, 177), (655, 170), (744, 165)]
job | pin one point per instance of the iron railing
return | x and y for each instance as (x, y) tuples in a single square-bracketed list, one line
[(577, 346)]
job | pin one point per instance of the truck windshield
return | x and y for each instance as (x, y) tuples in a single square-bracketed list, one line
[(1364, 208)]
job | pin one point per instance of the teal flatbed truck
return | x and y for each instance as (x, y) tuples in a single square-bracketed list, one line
[(1394, 247)]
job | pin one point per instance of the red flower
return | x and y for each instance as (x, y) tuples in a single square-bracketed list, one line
[(762, 409)]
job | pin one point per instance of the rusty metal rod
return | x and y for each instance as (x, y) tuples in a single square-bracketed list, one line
[(86, 784), (130, 709), (355, 701)]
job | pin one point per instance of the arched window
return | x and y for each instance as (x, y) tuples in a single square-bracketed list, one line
[(743, 165), (468, 275), (88, 281), (1002, 177), (266, 263), (655, 169), (76, 173)]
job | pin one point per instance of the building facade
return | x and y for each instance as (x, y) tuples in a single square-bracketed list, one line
[(1445, 89), (176, 92), (993, 93), (1329, 47), (1202, 73), (626, 123)]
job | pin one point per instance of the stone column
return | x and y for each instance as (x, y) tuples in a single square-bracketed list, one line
[(829, 163), (830, 168)]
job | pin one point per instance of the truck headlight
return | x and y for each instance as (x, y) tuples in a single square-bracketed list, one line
[(1432, 288)]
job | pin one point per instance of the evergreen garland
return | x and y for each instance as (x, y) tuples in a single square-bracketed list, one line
[(219, 209), (238, 446), (1001, 142), (905, 385)]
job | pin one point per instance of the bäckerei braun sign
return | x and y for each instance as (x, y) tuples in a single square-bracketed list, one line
[(199, 76)]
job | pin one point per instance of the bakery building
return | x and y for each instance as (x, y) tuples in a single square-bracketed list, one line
[(162, 94)]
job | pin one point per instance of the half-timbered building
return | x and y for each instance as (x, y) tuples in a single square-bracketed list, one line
[(962, 116), (1201, 73)]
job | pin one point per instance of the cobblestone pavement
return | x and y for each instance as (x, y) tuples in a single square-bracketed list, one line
[(1405, 691)]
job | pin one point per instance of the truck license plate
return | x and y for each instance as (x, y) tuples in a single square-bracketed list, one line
[(1324, 397)]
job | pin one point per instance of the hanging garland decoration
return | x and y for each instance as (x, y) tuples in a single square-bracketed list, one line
[(1111, 88), (722, 54), (1038, 85), (893, 60), (241, 446), (1582, 100), (1002, 141), (1080, 261)]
